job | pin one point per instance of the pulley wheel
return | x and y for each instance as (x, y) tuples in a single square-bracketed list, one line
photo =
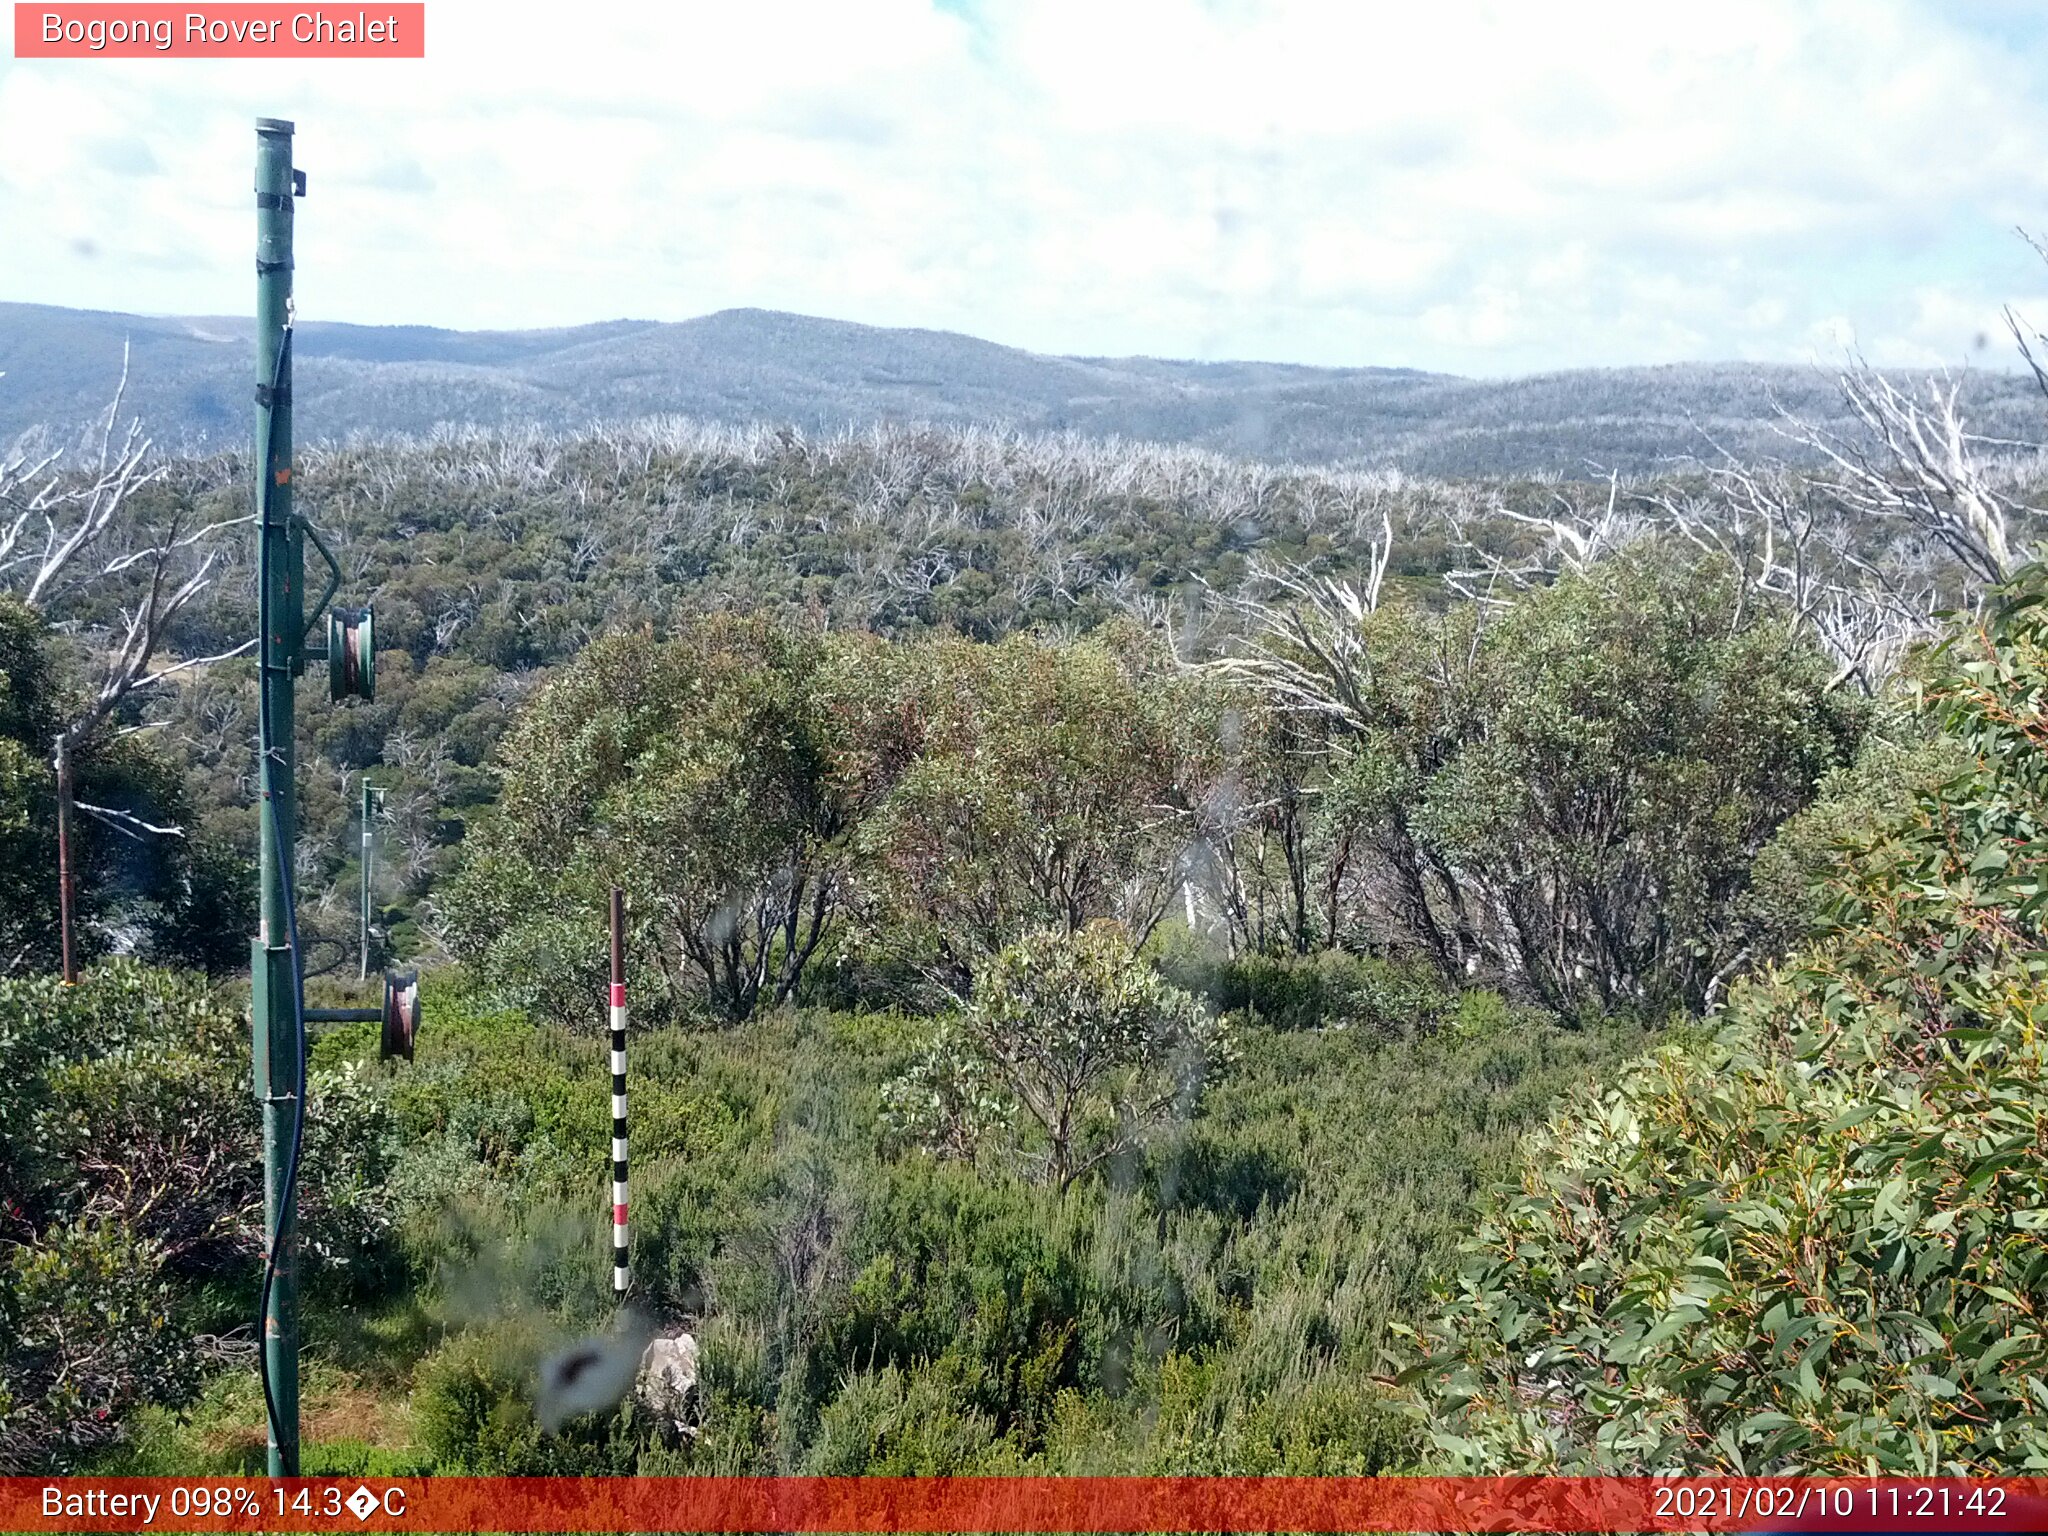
[(351, 654), (401, 1013)]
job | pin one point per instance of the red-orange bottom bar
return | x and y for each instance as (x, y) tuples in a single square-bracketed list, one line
[(994, 1504)]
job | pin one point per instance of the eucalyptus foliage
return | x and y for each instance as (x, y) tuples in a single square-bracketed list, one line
[(1567, 794), (697, 774), (767, 795), (1035, 786), (1820, 1241), (1070, 1039)]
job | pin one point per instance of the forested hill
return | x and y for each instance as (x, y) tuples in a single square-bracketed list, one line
[(190, 382)]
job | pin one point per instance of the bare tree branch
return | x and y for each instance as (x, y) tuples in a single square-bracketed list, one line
[(127, 825), (89, 539)]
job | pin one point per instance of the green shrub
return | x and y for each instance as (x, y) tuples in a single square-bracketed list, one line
[(886, 1424), (860, 1310), (45, 1024), (346, 1211), (131, 1170), (1793, 882), (339, 1044), (1481, 1013), (474, 1403), (1332, 989), (1314, 1422), (1265, 1238), (1818, 1242), (359, 1459), (89, 1318), (1073, 1048), (1282, 993)]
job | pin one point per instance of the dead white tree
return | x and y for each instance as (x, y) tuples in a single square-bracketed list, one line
[(1305, 646), (1304, 639), (1789, 538), (62, 535), (1907, 515), (1811, 544), (1574, 536), (1917, 463)]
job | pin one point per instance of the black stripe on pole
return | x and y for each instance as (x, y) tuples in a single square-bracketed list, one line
[(621, 1273)]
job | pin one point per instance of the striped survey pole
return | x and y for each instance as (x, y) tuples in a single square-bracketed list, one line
[(621, 1272)]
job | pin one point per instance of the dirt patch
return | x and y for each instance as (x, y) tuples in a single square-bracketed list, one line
[(355, 1413)]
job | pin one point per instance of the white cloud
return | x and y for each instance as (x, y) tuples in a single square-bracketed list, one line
[(1480, 187)]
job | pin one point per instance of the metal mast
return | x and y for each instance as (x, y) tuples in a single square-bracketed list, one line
[(273, 969), (278, 1011), (371, 795)]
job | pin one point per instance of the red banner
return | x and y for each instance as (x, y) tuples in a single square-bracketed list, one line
[(377, 31), (1090, 1504)]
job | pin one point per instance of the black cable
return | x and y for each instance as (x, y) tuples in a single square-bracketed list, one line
[(265, 484)]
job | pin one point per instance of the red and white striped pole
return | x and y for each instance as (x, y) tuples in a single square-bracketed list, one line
[(621, 1271)]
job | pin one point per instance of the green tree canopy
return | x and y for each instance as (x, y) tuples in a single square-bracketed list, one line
[(697, 774), (1033, 785), (1072, 1048), (1819, 1242), (1569, 794)]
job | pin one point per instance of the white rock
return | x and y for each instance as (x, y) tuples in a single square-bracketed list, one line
[(668, 1374)]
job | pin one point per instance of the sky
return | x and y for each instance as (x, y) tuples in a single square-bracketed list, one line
[(1486, 189)]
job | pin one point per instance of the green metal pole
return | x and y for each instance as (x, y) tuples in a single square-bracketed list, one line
[(370, 796), (281, 570)]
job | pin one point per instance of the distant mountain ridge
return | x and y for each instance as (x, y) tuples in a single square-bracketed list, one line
[(190, 381)]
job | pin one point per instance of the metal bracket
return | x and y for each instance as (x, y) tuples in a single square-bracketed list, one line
[(319, 605)]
